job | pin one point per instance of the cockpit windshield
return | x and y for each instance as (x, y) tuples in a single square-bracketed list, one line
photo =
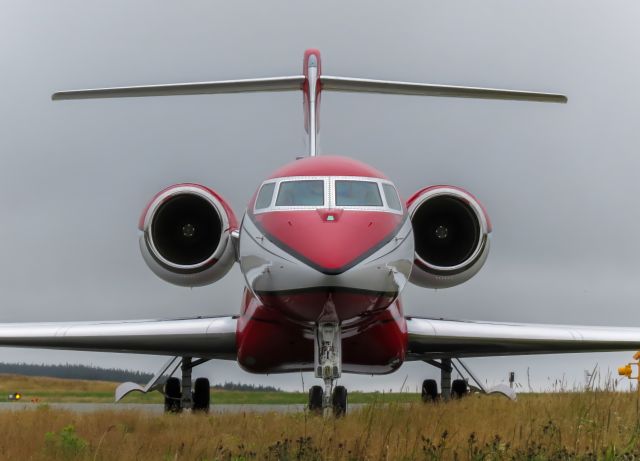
[(313, 192), (391, 195), (357, 193), (301, 193), (264, 197)]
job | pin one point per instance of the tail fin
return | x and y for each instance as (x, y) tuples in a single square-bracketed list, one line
[(312, 83)]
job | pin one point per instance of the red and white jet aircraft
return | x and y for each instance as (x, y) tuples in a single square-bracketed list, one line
[(326, 247)]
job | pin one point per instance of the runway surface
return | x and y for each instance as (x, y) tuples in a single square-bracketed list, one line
[(153, 408)]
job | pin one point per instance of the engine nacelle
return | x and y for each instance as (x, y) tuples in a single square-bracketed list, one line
[(451, 230), (186, 235)]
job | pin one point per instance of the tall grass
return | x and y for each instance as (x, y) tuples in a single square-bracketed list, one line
[(589, 425)]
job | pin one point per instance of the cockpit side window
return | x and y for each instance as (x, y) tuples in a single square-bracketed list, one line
[(301, 193), (391, 195), (357, 193), (264, 196)]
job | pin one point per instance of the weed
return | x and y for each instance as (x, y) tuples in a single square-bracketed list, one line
[(65, 443)]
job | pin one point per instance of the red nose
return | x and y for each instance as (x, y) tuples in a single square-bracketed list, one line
[(331, 241)]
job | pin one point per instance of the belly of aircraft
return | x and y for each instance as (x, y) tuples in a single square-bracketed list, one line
[(269, 342)]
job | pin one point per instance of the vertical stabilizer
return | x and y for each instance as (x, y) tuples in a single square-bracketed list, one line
[(311, 99)]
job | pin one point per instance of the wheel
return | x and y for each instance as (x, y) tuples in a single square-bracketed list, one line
[(339, 402), (201, 395), (315, 398), (459, 388), (172, 396), (429, 390)]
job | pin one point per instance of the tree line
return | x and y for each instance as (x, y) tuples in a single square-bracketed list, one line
[(92, 373)]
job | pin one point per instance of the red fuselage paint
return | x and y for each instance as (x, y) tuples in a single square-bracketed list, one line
[(270, 342), (330, 246)]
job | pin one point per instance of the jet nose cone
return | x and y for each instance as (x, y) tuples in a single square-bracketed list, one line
[(331, 241)]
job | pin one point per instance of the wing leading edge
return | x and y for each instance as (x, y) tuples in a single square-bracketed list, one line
[(432, 339), (213, 337)]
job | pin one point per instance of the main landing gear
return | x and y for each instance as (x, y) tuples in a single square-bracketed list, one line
[(328, 366), (181, 397), (178, 394), (458, 388), (430, 387)]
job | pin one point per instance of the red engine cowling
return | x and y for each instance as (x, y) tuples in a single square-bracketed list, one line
[(451, 230), (186, 235)]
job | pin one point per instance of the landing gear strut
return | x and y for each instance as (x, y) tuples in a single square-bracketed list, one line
[(445, 378), (328, 366), (458, 389), (196, 397), (185, 366)]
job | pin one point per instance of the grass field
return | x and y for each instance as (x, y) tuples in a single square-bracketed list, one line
[(558, 426), (595, 425)]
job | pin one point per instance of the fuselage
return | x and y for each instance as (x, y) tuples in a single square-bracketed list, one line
[(326, 239)]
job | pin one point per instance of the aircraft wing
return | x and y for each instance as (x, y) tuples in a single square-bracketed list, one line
[(439, 338), (213, 337)]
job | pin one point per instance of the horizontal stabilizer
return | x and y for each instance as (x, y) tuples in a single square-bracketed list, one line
[(330, 83), (294, 82), (312, 83)]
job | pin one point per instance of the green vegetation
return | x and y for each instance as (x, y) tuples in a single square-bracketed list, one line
[(65, 444)]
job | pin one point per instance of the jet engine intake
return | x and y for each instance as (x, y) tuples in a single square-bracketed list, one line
[(186, 235), (451, 230)]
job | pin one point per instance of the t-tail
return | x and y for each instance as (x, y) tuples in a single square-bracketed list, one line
[(312, 83)]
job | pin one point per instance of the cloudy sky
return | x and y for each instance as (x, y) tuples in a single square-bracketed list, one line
[(559, 181)]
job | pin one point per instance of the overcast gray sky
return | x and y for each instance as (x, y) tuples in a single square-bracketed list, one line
[(559, 181)]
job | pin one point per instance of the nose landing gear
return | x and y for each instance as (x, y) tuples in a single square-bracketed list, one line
[(328, 367), (338, 397)]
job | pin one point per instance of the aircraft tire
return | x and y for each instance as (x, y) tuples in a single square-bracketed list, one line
[(172, 396), (459, 388), (429, 390), (339, 401), (201, 395), (315, 398)]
